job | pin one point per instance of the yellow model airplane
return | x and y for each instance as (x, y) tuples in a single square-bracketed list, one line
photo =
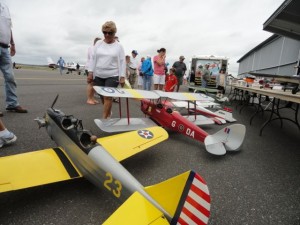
[(183, 199)]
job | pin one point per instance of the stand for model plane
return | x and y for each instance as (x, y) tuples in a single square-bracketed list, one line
[(153, 105)]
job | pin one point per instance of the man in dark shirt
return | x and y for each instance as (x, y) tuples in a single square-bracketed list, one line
[(180, 69)]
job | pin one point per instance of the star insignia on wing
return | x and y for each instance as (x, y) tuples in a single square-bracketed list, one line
[(145, 134)]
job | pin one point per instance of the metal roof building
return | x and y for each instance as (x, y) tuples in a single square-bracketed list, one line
[(280, 53)]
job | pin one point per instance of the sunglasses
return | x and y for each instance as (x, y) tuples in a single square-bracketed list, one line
[(108, 33)]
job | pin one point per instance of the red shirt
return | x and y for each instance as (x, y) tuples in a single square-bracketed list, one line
[(171, 82)]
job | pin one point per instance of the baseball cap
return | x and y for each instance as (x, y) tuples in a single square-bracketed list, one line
[(181, 57), (134, 52)]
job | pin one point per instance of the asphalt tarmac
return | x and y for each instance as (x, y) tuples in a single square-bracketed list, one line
[(258, 185)]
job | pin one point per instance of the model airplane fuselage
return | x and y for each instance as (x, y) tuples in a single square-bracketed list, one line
[(227, 139), (102, 169), (167, 118)]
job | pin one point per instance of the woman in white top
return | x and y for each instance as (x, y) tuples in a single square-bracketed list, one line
[(108, 67)]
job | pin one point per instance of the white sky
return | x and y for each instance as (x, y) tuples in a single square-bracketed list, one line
[(192, 27)]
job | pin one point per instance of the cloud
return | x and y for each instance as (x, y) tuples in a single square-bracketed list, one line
[(67, 28)]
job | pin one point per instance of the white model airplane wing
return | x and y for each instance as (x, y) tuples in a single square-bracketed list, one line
[(125, 93), (185, 96), (226, 115), (201, 107), (121, 124), (199, 120), (184, 104)]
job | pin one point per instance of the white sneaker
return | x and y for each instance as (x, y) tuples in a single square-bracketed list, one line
[(9, 139)]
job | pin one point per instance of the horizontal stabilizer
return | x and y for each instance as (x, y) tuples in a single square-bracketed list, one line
[(215, 147), (229, 138), (185, 197), (226, 115), (122, 146), (34, 169), (122, 124), (137, 210)]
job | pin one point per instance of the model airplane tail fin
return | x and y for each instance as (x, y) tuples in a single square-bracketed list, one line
[(228, 139), (185, 197), (49, 60)]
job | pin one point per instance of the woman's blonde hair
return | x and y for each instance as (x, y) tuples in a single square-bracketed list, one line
[(109, 26)]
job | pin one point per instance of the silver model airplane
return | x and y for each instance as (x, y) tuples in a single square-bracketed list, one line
[(183, 199)]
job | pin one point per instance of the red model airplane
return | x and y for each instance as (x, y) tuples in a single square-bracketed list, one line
[(229, 138)]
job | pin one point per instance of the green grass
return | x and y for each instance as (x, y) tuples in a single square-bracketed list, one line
[(33, 67)]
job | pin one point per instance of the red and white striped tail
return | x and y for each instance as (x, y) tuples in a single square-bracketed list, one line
[(194, 205)]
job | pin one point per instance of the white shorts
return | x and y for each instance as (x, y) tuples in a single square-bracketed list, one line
[(159, 79)]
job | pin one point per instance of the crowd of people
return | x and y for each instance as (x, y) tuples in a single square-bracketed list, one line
[(155, 72)]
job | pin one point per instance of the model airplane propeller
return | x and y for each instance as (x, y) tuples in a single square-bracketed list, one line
[(183, 199), (227, 139)]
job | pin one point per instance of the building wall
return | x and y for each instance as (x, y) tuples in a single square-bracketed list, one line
[(278, 56)]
